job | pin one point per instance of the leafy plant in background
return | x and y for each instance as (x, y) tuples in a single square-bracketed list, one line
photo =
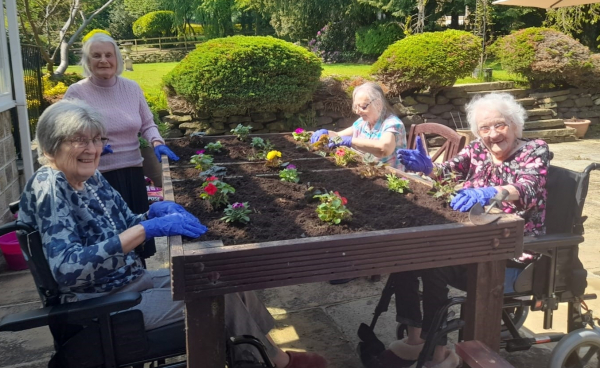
[(241, 132), (334, 43), (202, 161), (143, 142), (396, 184), (374, 39), (332, 208), (445, 188), (301, 135), (237, 212), (371, 166), (216, 191), (214, 147), (290, 174), (343, 156), (261, 148)]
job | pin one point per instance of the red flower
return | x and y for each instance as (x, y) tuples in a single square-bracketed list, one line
[(340, 152), (344, 200), (210, 189), (211, 178)]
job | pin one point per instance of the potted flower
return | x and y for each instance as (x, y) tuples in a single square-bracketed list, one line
[(580, 125), (216, 192)]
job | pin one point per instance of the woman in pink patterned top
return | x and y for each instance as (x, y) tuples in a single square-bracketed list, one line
[(499, 160)]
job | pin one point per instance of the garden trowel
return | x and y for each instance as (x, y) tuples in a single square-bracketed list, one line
[(479, 216)]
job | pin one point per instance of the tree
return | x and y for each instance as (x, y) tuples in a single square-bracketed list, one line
[(581, 22), (183, 11), (120, 21), (51, 11), (137, 8)]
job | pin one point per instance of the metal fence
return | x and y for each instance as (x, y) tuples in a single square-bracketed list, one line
[(32, 69)]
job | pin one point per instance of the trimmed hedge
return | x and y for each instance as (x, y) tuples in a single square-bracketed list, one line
[(546, 57), (154, 24), (240, 74), (428, 60), (93, 32), (373, 40)]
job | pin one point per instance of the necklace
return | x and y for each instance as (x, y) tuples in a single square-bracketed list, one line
[(90, 189)]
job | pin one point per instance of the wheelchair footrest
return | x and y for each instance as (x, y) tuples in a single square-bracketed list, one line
[(519, 344)]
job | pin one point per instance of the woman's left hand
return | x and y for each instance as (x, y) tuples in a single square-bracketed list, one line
[(466, 198), (163, 208), (164, 150), (344, 141)]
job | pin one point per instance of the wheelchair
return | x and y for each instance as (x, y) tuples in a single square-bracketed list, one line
[(88, 333), (556, 276)]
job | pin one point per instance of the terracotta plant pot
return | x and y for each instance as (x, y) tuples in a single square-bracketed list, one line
[(580, 125), (467, 134)]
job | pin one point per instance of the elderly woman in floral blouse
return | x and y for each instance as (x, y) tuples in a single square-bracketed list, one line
[(499, 160)]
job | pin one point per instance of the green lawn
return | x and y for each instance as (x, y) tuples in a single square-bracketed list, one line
[(149, 76)]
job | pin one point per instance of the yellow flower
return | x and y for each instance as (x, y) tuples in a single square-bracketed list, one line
[(273, 155)]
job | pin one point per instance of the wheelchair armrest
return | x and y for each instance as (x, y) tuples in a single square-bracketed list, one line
[(543, 242), (14, 226), (70, 312)]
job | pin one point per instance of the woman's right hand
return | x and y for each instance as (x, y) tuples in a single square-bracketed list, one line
[(174, 224), (316, 135), (417, 159)]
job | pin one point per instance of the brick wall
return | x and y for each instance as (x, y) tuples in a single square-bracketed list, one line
[(9, 175)]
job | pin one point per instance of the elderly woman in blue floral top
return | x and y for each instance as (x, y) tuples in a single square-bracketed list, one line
[(378, 131), (89, 234), (499, 160)]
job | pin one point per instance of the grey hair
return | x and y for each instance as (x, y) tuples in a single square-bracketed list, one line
[(376, 95), (505, 104), (63, 120), (85, 52)]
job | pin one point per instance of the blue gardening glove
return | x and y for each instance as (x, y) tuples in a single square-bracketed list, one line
[(417, 159), (163, 208), (316, 135), (346, 141), (174, 224), (107, 149), (164, 150), (466, 198)]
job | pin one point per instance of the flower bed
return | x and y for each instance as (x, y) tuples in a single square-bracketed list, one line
[(283, 210)]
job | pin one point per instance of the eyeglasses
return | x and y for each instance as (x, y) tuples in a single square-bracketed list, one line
[(82, 142), (362, 107), (500, 128)]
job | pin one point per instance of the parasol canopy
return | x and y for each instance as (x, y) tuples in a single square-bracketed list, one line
[(548, 4)]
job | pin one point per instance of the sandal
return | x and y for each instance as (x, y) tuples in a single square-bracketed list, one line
[(305, 360)]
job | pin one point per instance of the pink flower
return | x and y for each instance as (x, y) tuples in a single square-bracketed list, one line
[(299, 131), (291, 167), (200, 152), (210, 189), (237, 205), (340, 152)]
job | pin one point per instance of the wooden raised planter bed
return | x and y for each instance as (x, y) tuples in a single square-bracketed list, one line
[(202, 272)]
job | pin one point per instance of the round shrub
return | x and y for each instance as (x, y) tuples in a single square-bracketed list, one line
[(154, 24), (238, 75), (427, 60), (373, 40), (93, 32), (544, 56)]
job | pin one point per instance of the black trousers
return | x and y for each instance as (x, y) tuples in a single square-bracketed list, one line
[(131, 184), (435, 295)]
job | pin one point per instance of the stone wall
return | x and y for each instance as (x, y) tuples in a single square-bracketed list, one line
[(10, 188), (545, 109)]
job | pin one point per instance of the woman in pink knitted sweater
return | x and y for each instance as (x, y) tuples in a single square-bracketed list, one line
[(126, 114)]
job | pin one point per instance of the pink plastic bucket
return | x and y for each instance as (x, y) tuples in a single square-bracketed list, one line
[(12, 252)]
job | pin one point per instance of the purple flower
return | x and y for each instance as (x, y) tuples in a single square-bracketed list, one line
[(200, 152), (291, 167), (319, 33), (299, 131), (237, 205)]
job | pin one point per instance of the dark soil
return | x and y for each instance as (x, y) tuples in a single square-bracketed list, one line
[(234, 150), (282, 210)]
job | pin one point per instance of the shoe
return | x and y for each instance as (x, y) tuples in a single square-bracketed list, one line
[(305, 360), (341, 281), (452, 361), (400, 354)]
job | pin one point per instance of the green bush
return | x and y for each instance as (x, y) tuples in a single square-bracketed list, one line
[(237, 75), (93, 32), (546, 57), (154, 24), (373, 40), (427, 60)]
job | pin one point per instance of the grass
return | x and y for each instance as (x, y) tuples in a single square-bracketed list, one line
[(346, 70), (148, 76)]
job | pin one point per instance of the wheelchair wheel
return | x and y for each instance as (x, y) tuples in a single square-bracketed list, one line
[(518, 315), (579, 349)]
